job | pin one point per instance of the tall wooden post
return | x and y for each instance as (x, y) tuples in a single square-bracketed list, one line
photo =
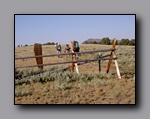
[(76, 66), (116, 63), (99, 61), (73, 63), (38, 51), (111, 55), (117, 67)]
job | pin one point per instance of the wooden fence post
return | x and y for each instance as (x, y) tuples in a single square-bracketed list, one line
[(72, 57), (116, 64), (73, 63), (76, 65), (99, 61), (111, 55), (38, 51)]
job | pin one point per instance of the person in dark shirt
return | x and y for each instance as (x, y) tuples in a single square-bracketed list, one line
[(67, 49)]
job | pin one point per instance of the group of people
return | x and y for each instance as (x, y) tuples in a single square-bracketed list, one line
[(75, 48)]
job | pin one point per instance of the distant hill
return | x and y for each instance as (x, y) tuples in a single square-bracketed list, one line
[(96, 41), (91, 40)]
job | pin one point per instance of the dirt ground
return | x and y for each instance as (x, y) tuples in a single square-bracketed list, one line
[(120, 92), (110, 91)]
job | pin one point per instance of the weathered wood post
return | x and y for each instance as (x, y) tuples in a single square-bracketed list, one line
[(111, 55), (37, 52), (99, 61), (73, 65), (76, 65), (116, 63), (117, 67), (74, 57)]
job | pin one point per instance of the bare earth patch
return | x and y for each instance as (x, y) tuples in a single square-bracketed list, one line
[(120, 92)]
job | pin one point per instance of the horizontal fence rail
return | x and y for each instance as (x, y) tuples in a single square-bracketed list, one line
[(68, 62), (74, 62), (105, 50)]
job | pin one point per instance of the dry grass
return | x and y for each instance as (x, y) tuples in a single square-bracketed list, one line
[(90, 87)]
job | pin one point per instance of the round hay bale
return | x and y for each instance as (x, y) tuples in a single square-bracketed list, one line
[(38, 51)]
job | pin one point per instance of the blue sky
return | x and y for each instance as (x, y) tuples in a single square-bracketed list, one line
[(30, 29)]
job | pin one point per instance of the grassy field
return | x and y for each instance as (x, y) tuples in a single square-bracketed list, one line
[(34, 86)]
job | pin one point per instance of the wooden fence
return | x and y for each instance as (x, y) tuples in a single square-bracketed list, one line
[(74, 62)]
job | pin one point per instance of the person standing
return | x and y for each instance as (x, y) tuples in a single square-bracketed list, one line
[(58, 48)]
